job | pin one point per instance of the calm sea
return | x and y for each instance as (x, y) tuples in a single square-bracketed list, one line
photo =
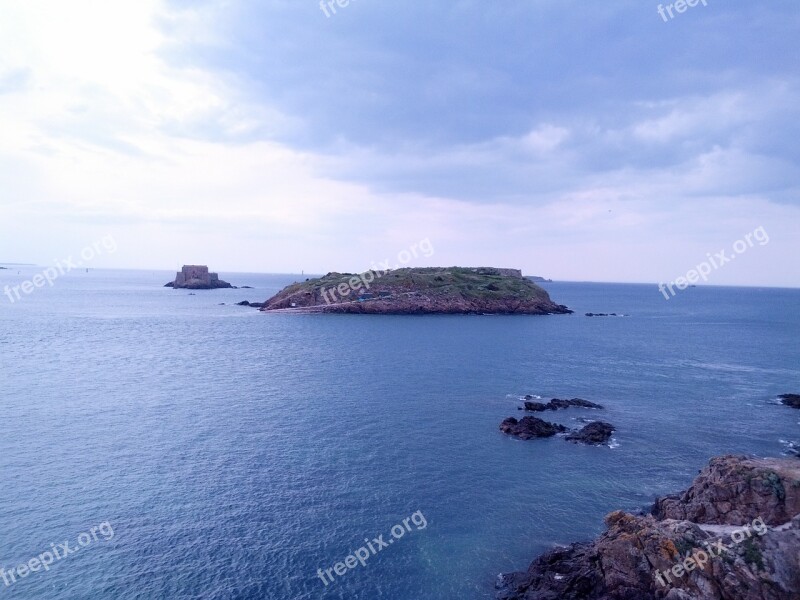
[(234, 453)]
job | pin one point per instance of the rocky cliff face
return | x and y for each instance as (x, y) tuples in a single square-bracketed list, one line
[(732, 491), (452, 290), (733, 535)]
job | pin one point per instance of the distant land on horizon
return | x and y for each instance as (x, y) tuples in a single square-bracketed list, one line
[(534, 278)]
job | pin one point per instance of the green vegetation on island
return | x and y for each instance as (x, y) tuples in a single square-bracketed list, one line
[(430, 290)]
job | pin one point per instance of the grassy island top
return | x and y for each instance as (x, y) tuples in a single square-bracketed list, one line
[(419, 290)]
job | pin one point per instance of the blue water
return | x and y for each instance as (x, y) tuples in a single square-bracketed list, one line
[(234, 453)]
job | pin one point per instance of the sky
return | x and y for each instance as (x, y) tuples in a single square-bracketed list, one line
[(590, 141)]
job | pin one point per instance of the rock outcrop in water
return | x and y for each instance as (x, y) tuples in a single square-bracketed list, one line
[(792, 400), (250, 304), (451, 290), (197, 277), (594, 434), (733, 535), (558, 404), (529, 428)]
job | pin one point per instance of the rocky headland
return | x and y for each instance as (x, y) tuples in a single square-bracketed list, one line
[(733, 535), (434, 290)]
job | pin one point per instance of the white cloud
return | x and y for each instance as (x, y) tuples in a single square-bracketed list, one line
[(545, 138)]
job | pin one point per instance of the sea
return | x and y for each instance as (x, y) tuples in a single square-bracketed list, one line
[(185, 447)]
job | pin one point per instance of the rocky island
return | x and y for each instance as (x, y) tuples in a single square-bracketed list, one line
[(433, 290), (733, 535), (197, 277)]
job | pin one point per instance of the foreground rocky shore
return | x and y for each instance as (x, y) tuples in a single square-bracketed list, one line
[(733, 535)]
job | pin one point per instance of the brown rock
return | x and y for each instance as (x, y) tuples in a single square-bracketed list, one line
[(735, 489), (637, 556)]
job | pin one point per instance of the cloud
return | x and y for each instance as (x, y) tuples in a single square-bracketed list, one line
[(573, 140)]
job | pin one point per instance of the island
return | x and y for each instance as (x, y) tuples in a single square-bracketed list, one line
[(734, 534), (197, 277), (429, 290)]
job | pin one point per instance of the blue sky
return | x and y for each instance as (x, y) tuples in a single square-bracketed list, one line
[(573, 140)]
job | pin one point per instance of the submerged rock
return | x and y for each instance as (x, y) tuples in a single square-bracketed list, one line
[(792, 400), (530, 427)]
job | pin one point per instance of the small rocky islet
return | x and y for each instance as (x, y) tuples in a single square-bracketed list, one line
[(197, 277)]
